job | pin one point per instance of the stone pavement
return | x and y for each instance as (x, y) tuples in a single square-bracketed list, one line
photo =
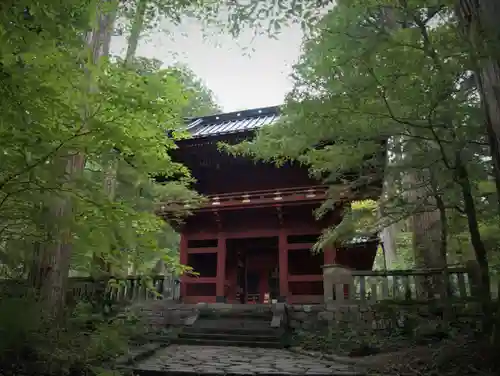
[(237, 361)]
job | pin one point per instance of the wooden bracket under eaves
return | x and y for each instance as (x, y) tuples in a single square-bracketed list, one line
[(218, 220), (279, 212)]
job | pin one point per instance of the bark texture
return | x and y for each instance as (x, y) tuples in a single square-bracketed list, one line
[(481, 28), (427, 231), (54, 254)]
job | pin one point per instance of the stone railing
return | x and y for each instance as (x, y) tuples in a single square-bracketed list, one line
[(367, 303), (342, 285), (122, 290), (130, 289)]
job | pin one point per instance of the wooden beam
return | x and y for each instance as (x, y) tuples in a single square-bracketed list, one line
[(283, 264), (305, 278), (183, 256), (202, 250), (199, 299), (255, 233), (296, 246), (196, 280), (221, 266), (305, 299)]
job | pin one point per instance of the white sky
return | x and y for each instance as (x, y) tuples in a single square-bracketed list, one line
[(239, 81)]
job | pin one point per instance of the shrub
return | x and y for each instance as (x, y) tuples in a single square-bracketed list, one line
[(82, 343)]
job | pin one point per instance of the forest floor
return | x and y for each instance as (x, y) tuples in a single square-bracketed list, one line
[(460, 355), (448, 357)]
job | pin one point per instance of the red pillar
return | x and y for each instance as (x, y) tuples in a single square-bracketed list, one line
[(183, 256), (283, 265), (221, 268), (329, 254)]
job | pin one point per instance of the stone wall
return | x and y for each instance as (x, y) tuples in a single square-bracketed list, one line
[(160, 314), (360, 330), (377, 317)]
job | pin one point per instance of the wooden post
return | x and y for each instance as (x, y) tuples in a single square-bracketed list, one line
[(183, 257), (283, 265), (221, 269), (329, 256)]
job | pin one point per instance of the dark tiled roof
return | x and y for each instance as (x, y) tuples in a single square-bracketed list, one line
[(232, 122)]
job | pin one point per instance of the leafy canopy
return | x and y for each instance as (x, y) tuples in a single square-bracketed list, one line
[(377, 76), (45, 88)]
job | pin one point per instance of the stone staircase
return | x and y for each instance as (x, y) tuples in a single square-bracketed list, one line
[(244, 327)]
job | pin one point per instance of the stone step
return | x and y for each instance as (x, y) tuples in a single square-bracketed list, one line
[(236, 315), (270, 337), (244, 331), (238, 331), (232, 323), (223, 342)]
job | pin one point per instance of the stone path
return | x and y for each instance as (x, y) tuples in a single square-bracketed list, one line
[(237, 361)]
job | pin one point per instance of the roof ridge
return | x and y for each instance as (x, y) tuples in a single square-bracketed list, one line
[(259, 111), (233, 122)]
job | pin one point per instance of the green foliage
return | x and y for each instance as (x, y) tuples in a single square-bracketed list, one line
[(267, 16), (359, 221), (349, 340), (58, 103), (381, 93), (122, 121), (82, 344), (43, 84), (148, 107), (200, 98)]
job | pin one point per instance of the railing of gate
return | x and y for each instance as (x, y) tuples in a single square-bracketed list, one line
[(342, 285), (132, 288)]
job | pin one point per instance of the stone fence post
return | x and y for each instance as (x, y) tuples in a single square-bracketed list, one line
[(335, 277)]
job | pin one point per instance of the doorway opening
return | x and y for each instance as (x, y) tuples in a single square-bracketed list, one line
[(252, 270)]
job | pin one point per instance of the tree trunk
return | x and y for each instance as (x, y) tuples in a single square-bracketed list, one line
[(475, 236), (102, 269), (136, 30), (133, 42), (388, 233), (443, 243), (388, 237), (159, 268), (425, 222), (495, 154), (445, 291), (55, 253), (426, 230), (479, 20)]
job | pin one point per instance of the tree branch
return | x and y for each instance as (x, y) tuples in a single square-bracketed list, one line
[(43, 159)]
